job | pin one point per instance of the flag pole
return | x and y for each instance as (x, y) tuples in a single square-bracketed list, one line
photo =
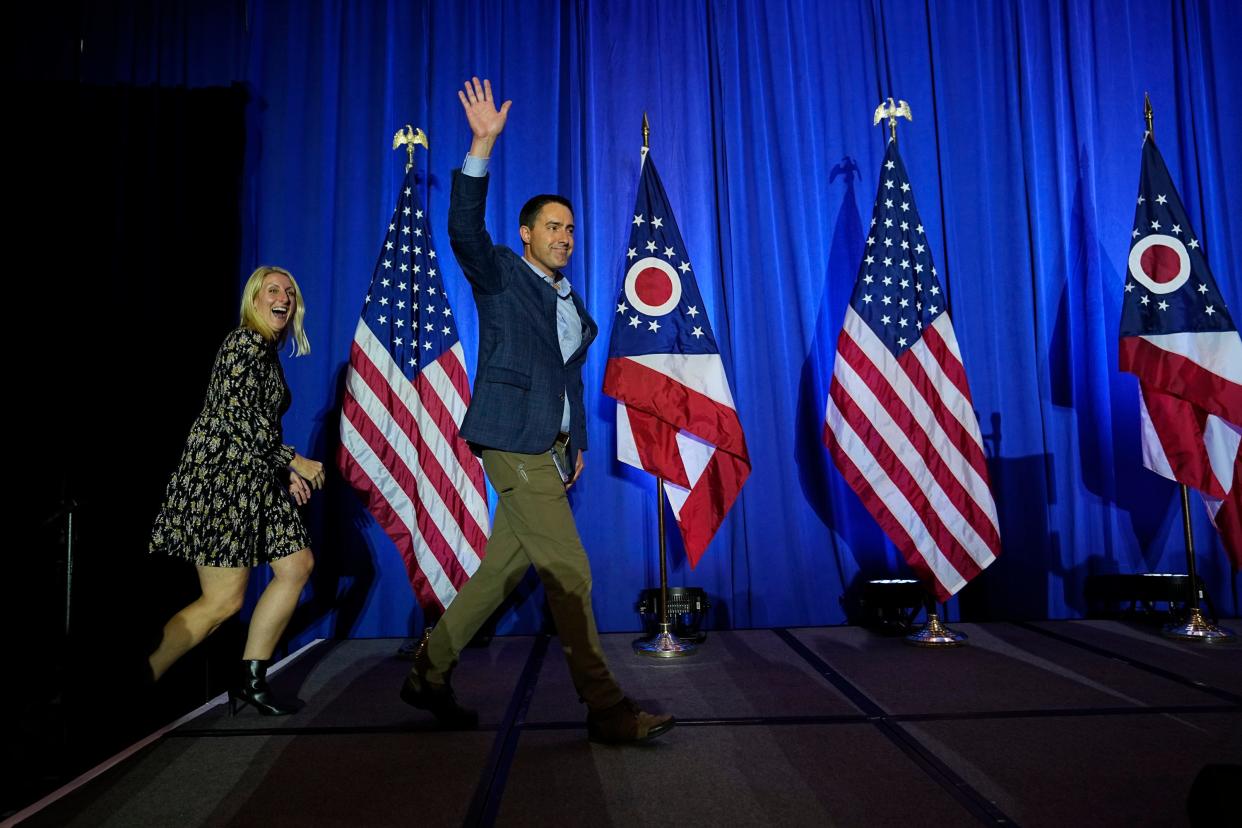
[(1195, 627), (933, 633), (409, 137), (664, 644)]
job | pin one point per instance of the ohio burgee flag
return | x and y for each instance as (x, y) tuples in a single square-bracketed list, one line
[(675, 413), (1178, 338)]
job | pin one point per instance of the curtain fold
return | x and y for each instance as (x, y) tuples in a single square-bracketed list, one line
[(1024, 157)]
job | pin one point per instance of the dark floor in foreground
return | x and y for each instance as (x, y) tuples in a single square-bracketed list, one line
[(1050, 723)]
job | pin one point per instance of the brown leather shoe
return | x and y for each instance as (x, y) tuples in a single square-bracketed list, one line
[(626, 723), (440, 701), (437, 699)]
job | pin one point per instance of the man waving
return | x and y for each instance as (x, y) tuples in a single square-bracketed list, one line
[(528, 421)]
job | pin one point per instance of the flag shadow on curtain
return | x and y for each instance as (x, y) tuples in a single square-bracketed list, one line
[(1084, 380), (344, 555), (1016, 585), (857, 543)]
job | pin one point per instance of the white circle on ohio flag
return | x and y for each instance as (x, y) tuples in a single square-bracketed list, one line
[(652, 286), (1160, 263)]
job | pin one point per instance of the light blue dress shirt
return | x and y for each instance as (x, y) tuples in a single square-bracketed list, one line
[(568, 322)]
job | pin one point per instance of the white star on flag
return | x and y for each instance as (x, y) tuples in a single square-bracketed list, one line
[(675, 412), (900, 423), (404, 399)]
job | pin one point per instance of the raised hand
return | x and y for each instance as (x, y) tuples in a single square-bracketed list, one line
[(486, 122)]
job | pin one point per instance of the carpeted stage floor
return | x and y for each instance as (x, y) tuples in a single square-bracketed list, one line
[(1053, 723)]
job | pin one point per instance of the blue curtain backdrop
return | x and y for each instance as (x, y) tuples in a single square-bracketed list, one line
[(1024, 152)]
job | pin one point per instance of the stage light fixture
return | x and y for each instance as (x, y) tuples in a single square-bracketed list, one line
[(1108, 594), (687, 611), (888, 605)]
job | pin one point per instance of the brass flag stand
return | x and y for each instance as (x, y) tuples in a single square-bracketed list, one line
[(1195, 627), (664, 644), (933, 633)]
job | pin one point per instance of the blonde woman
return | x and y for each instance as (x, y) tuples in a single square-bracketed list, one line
[(230, 505)]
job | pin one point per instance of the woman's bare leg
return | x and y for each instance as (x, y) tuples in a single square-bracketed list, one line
[(276, 604), (224, 588)]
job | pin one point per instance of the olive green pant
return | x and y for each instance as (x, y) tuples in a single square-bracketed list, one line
[(533, 525)]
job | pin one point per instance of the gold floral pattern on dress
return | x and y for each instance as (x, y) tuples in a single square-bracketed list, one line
[(227, 503)]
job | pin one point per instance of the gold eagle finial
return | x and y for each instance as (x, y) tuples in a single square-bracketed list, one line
[(409, 136), (892, 110)]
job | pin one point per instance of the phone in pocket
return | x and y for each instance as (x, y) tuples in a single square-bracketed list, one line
[(561, 461)]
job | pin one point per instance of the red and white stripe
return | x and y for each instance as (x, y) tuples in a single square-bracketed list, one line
[(1190, 406), (1226, 515), (400, 448), (676, 420), (903, 432)]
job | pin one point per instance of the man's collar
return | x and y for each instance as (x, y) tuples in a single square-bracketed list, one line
[(562, 286)]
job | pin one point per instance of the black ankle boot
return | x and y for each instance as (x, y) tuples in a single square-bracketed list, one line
[(252, 689)]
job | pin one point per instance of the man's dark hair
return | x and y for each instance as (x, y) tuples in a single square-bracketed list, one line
[(530, 210)]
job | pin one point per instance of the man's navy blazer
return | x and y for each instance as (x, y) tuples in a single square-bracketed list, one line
[(521, 381)]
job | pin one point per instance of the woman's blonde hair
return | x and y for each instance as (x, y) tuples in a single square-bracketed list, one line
[(252, 319)]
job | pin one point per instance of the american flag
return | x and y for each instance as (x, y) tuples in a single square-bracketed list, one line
[(1177, 337), (675, 412), (405, 396), (900, 423)]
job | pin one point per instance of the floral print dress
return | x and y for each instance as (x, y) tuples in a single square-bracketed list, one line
[(227, 503)]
